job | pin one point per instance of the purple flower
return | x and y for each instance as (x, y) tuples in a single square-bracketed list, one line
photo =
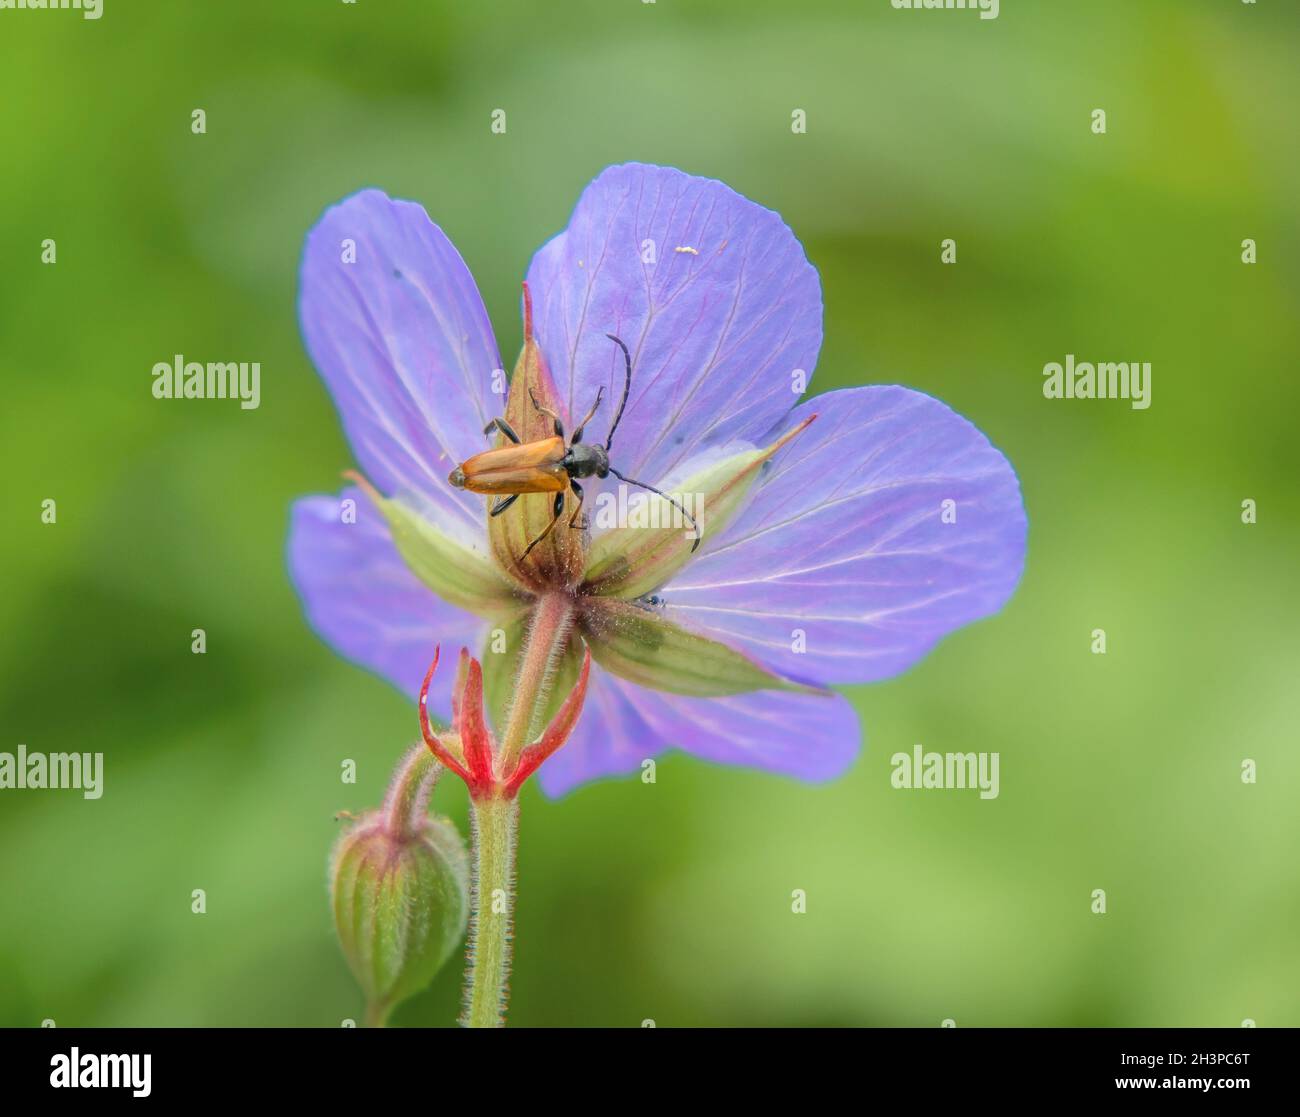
[(839, 555)]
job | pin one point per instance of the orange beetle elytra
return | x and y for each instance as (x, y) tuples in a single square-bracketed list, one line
[(550, 465)]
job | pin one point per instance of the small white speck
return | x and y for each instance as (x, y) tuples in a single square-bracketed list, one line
[(687, 248)]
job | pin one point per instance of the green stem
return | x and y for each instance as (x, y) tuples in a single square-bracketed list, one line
[(495, 830), (377, 1014), (495, 820), (406, 806), (548, 636)]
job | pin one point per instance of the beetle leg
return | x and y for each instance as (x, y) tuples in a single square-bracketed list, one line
[(504, 427), (577, 516), (577, 435), (502, 504), (558, 511), (559, 427)]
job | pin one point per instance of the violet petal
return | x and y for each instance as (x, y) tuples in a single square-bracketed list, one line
[(844, 541), (812, 737), (401, 338), (364, 602), (716, 333)]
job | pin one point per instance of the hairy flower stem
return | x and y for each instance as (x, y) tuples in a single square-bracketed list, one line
[(495, 820), (406, 805), (548, 634), (495, 829), (377, 1014)]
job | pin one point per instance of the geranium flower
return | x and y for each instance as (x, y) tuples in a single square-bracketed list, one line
[(834, 552)]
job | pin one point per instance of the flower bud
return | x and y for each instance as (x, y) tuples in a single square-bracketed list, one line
[(398, 889)]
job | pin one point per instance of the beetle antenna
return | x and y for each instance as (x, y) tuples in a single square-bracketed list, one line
[(627, 387), (671, 500)]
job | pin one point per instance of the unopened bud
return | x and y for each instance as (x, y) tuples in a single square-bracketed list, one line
[(399, 888)]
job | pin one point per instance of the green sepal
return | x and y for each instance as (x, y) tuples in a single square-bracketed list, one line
[(629, 562), (459, 576), (644, 648)]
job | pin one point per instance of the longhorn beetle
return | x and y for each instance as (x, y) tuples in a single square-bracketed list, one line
[(550, 465)]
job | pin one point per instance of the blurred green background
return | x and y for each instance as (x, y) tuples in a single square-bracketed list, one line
[(668, 902)]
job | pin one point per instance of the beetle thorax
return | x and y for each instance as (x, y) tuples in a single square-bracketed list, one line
[(585, 460)]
